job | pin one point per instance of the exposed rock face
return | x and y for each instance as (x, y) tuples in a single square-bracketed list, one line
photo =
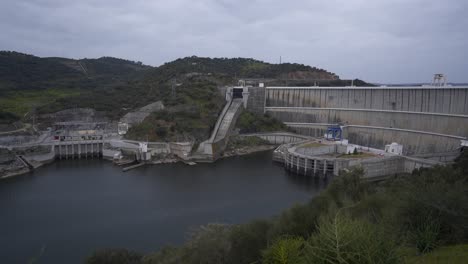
[(75, 114), (136, 117), (6, 156)]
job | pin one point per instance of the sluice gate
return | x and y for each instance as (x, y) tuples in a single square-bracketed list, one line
[(78, 149)]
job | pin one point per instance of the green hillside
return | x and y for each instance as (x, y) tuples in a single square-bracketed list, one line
[(28, 82), (109, 84), (116, 86)]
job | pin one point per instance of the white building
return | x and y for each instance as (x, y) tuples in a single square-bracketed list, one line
[(394, 148)]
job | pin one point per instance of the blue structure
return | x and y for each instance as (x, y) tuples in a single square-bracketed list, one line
[(334, 133)]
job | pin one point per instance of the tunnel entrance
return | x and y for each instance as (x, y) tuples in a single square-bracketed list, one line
[(237, 93)]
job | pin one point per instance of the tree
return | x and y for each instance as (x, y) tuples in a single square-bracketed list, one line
[(248, 241), (288, 250), (341, 239), (208, 244)]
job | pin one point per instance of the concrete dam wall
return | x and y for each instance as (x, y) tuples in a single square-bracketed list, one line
[(449, 100), (423, 119)]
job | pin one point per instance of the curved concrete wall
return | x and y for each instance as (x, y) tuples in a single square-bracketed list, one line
[(423, 119), (433, 122), (415, 142)]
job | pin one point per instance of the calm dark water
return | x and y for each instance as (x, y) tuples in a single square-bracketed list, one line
[(69, 208)]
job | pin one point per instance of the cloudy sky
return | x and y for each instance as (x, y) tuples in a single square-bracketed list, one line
[(375, 40)]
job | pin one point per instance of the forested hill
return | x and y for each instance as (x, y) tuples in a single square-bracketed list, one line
[(26, 72), (115, 85), (247, 68)]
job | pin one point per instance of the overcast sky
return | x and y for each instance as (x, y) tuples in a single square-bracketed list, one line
[(375, 40)]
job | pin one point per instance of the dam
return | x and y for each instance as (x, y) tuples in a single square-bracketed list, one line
[(424, 119)]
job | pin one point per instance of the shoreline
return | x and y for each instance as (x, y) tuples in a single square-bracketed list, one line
[(247, 150), (242, 151)]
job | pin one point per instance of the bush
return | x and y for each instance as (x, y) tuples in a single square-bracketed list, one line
[(248, 241), (167, 255), (249, 122), (8, 118), (426, 235), (208, 244), (348, 186)]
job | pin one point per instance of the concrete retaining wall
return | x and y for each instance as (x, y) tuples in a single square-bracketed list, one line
[(385, 167), (413, 142), (278, 137), (316, 150)]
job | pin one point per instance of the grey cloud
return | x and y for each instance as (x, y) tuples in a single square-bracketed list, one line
[(381, 41)]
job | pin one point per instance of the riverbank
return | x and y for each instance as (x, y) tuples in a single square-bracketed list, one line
[(40, 160), (247, 150), (6, 175), (25, 164)]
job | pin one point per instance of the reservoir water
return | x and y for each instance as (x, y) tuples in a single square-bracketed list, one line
[(65, 210)]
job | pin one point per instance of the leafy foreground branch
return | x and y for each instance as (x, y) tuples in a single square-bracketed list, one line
[(413, 218)]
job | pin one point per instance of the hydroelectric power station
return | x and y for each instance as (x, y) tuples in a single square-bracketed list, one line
[(393, 129)]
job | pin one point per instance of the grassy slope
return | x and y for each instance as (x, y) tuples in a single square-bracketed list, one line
[(21, 102)]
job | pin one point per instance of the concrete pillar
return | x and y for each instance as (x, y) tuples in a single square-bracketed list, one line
[(305, 166), (66, 151), (92, 150), (315, 166), (298, 165), (73, 150), (79, 151), (86, 150), (324, 167)]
